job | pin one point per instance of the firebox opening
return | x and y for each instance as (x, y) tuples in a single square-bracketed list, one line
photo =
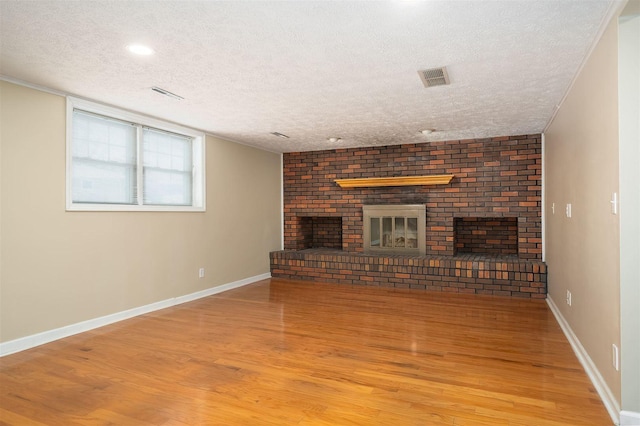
[(394, 228), (321, 232), (486, 235)]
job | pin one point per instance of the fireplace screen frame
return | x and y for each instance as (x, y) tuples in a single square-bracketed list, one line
[(389, 214)]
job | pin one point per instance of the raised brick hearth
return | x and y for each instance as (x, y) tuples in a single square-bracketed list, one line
[(484, 226), (470, 273)]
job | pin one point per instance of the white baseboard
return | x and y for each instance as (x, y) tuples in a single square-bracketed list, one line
[(609, 401), (629, 418), (34, 340)]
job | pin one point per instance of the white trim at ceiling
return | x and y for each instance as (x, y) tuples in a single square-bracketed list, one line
[(614, 10), (34, 86), (66, 94), (83, 98)]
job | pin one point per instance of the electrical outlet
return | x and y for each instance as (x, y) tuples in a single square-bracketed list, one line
[(553, 208), (568, 210), (614, 203), (201, 273), (615, 353), (568, 298)]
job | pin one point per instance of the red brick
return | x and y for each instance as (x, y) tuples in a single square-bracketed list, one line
[(483, 186)]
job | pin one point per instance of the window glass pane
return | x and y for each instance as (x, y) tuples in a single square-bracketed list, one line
[(399, 237), (375, 232), (167, 168), (387, 232), (412, 232), (103, 160)]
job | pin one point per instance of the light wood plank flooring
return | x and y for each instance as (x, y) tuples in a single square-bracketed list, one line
[(293, 353)]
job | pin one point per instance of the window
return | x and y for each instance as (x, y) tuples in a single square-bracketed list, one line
[(118, 160)]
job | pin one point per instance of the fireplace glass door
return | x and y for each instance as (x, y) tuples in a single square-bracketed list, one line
[(394, 228), (394, 232)]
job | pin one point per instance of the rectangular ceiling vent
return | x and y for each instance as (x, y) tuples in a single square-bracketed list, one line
[(166, 93), (434, 77)]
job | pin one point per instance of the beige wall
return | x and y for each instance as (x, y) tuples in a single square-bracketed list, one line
[(581, 168), (59, 268)]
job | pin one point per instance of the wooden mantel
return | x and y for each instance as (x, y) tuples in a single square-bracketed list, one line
[(395, 181)]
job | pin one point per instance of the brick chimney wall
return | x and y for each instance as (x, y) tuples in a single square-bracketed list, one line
[(494, 178)]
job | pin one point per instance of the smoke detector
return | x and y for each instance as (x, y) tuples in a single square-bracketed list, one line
[(434, 77)]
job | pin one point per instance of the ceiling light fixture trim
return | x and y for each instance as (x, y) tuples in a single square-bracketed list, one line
[(334, 139)]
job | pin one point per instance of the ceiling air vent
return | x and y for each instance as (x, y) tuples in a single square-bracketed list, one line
[(434, 77), (166, 93)]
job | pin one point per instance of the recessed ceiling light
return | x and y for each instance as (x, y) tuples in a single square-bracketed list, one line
[(334, 140), (427, 131), (140, 49)]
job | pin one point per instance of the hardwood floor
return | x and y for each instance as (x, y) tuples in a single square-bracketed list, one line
[(293, 353)]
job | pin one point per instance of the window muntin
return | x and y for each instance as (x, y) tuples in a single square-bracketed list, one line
[(118, 160)]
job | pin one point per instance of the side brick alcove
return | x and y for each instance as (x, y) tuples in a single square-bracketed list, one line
[(483, 229)]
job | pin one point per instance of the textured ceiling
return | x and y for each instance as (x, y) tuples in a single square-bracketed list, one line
[(311, 69)]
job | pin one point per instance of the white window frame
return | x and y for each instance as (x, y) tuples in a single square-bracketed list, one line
[(198, 186)]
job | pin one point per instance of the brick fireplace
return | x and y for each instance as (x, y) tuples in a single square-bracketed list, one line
[(484, 226)]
